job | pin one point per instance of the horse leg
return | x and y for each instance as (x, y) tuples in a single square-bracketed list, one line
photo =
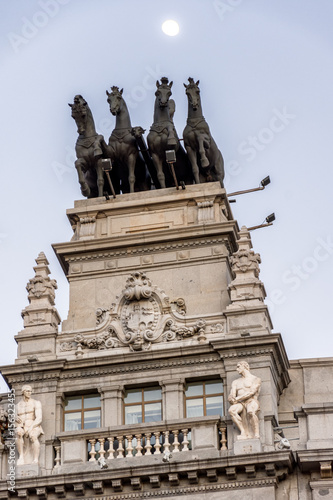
[(100, 177), (203, 158), (193, 160), (172, 139), (159, 169), (219, 165), (131, 170), (79, 165)]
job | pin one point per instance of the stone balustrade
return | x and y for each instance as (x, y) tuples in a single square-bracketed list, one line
[(139, 444), (141, 440)]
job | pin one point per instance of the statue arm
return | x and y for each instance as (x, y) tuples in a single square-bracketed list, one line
[(254, 391), (233, 393), (38, 415)]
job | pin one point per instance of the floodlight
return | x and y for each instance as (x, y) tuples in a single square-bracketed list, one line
[(107, 167), (269, 221), (270, 218), (106, 164), (170, 156), (265, 181), (262, 186)]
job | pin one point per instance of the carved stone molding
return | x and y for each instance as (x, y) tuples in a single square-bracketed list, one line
[(141, 316), (148, 249), (41, 311), (205, 211)]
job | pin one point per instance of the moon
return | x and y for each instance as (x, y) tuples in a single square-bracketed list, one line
[(170, 27)]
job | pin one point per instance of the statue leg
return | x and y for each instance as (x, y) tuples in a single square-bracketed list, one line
[(35, 450), (193, 160), (20, 445), (252, 410), (219, 166), (236, 411), (79, 165), (35, 444), (172, 139), (131, 171), (159, 169), (100, 178), (203, 158)]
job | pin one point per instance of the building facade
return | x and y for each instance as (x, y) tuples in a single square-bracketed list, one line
[(167, 331)]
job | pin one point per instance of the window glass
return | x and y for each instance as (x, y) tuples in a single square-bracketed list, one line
[(214, 405), (92, 419), (91, 401), (213, 387), (73, 403), (133, 414), (152, 394), (194, 389), (79, 412), (204, 398), (194, 407), (153, 412), (73, 421), (143, 405), (133, 396)]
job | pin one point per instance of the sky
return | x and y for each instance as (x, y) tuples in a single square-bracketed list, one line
[(266, 80)]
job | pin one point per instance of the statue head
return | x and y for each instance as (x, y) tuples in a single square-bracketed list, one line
[(26, 388), (163, 92), (193, 93), (115, 99), (243, 365), (80, 110)]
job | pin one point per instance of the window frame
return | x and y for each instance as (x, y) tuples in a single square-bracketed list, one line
[(82, 410), (142, 403), (203, 396)]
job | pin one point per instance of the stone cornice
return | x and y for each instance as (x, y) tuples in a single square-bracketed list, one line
[(217, 473), (255, 346), (311, 363), (169, 197), (126, 363), (148, 242), (310, 459)]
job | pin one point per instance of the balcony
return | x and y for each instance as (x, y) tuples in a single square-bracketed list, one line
[(139, 443)]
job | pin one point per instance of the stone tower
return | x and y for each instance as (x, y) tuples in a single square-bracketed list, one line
[(166, 320)]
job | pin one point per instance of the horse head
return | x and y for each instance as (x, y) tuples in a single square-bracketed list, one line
[(163, 92), (80, 112), (193, 93), (115, 100)]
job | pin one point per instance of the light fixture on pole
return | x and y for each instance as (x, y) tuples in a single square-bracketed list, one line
[(267, 222), (170, 156), (107, 167), (262, 186)]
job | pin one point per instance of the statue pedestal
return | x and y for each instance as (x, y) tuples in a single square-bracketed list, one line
[(245, 446), (27, 470)]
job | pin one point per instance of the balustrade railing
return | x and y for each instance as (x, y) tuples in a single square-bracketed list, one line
[(138, 445), (153, 438)]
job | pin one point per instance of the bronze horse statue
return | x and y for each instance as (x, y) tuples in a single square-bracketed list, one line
[(163, 137), (129, 167), (90, 149), (205, 157)]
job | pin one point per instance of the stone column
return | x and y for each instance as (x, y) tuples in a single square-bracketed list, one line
[(111, 403), (173, 399)]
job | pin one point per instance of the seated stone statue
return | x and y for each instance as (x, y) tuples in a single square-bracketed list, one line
[(244, 402), (28, 428)]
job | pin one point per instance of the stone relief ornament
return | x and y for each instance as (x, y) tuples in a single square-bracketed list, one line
[(245, 260), (141, 316), (180, 305)]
